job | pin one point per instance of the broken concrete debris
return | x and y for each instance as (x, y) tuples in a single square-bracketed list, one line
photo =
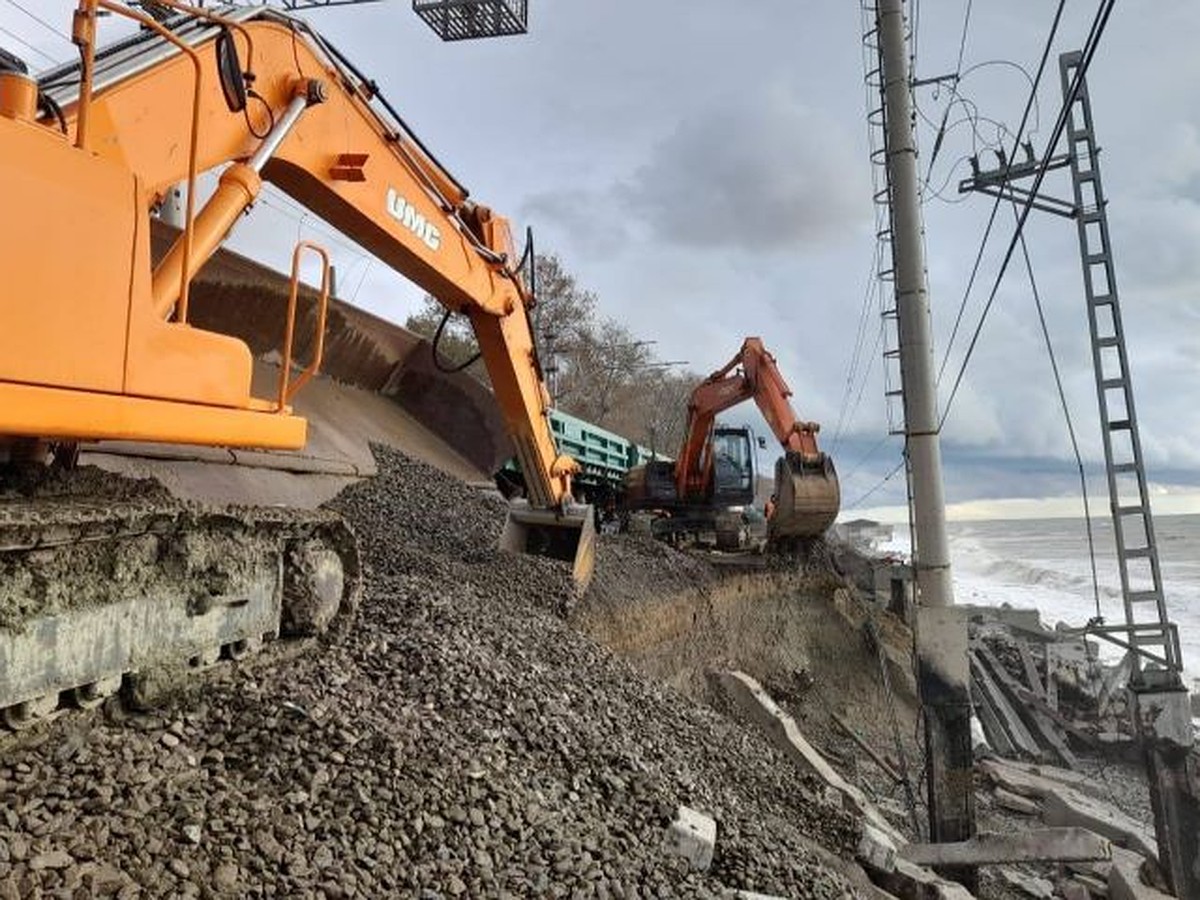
[(1016, 803), (1044, 695), (1030, 885), (1035, 845), (1066, 806), (1125, 883), (876, 850), (692, 835)]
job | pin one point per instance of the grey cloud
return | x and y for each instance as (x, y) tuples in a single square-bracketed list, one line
[(585, 215), (762, 174)]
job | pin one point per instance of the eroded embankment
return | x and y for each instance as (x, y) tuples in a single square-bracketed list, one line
[(801, 631)]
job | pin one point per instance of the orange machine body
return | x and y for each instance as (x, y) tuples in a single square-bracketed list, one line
[(752, 373), (94, 342)]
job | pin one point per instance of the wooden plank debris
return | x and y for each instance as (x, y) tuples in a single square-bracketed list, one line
[(1014, 727), (1031, 673), (1046, 730)]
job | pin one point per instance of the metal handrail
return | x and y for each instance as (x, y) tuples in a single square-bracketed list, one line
[(84, 35), (287, 386)]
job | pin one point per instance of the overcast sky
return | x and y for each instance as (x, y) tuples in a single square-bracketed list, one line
[(703, 167)]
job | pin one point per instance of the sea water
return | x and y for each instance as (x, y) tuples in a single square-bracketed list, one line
[(1044, 564)]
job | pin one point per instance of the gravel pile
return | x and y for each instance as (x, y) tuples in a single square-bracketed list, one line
[(459, 740)]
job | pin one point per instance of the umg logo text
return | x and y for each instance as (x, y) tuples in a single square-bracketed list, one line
[(406, 214)]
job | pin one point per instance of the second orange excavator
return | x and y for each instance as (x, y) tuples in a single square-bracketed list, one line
[(706, 489)]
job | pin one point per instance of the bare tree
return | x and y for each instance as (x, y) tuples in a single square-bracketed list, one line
[(457, 346), (596, 369)]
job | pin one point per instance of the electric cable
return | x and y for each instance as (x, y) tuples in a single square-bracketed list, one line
[(20, 40), (1062, 399), (962, 41), (435, 347), (859, 339), (49, 27), (1089, 51), (973, 117), (884, 480), (987, 232), (283, 205)]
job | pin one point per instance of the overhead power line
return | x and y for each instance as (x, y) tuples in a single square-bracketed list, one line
[(962, 41), (20, 40), (987, 232), (35, 17), (1066, 411), (1089, 51), (879, 484)]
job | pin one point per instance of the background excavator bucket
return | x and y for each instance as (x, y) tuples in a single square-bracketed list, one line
[(808, 497), (569, 536)]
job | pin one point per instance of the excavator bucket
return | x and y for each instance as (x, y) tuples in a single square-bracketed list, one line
[(569, 536), (808, 497)]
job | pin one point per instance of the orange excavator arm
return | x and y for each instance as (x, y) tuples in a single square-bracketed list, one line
[(807, 494), (345, 162), (751, 374), (258, 96)]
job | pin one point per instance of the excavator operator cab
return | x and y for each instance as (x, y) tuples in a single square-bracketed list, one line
[(733, 467)]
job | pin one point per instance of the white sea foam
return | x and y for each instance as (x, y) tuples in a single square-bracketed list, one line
[(1044, 565)]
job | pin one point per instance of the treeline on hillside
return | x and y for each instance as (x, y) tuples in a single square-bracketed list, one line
[(594, 367)]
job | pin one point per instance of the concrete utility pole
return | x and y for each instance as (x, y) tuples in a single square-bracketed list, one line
[(943, 671)]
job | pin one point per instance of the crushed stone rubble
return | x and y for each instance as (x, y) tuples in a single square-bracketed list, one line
[(458, 740)]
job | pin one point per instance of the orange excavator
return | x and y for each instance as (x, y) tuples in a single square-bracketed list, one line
[(706, 489), (96, 343)]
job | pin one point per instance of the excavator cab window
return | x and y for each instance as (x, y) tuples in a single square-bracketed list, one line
[(733, 467)]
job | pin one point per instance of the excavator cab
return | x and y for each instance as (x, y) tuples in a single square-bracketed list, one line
[(733, 467)]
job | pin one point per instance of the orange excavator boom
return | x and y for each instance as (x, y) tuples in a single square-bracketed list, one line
[(807, 491)]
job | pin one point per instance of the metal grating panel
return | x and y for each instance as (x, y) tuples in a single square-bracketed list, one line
[(461, 20)]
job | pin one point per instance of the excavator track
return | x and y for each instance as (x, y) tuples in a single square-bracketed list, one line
[(107, 582)]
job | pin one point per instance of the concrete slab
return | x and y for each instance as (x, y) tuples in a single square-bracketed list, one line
[(1016, 803), (1074, 890), (1069, 777), (912, 882), (1013, 726), (1125, 883), (1033, 709), (1035, 845), (875, 850), (1030, 886), (1064, 806), (692, 835), (1026, 780), (750, 697)]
